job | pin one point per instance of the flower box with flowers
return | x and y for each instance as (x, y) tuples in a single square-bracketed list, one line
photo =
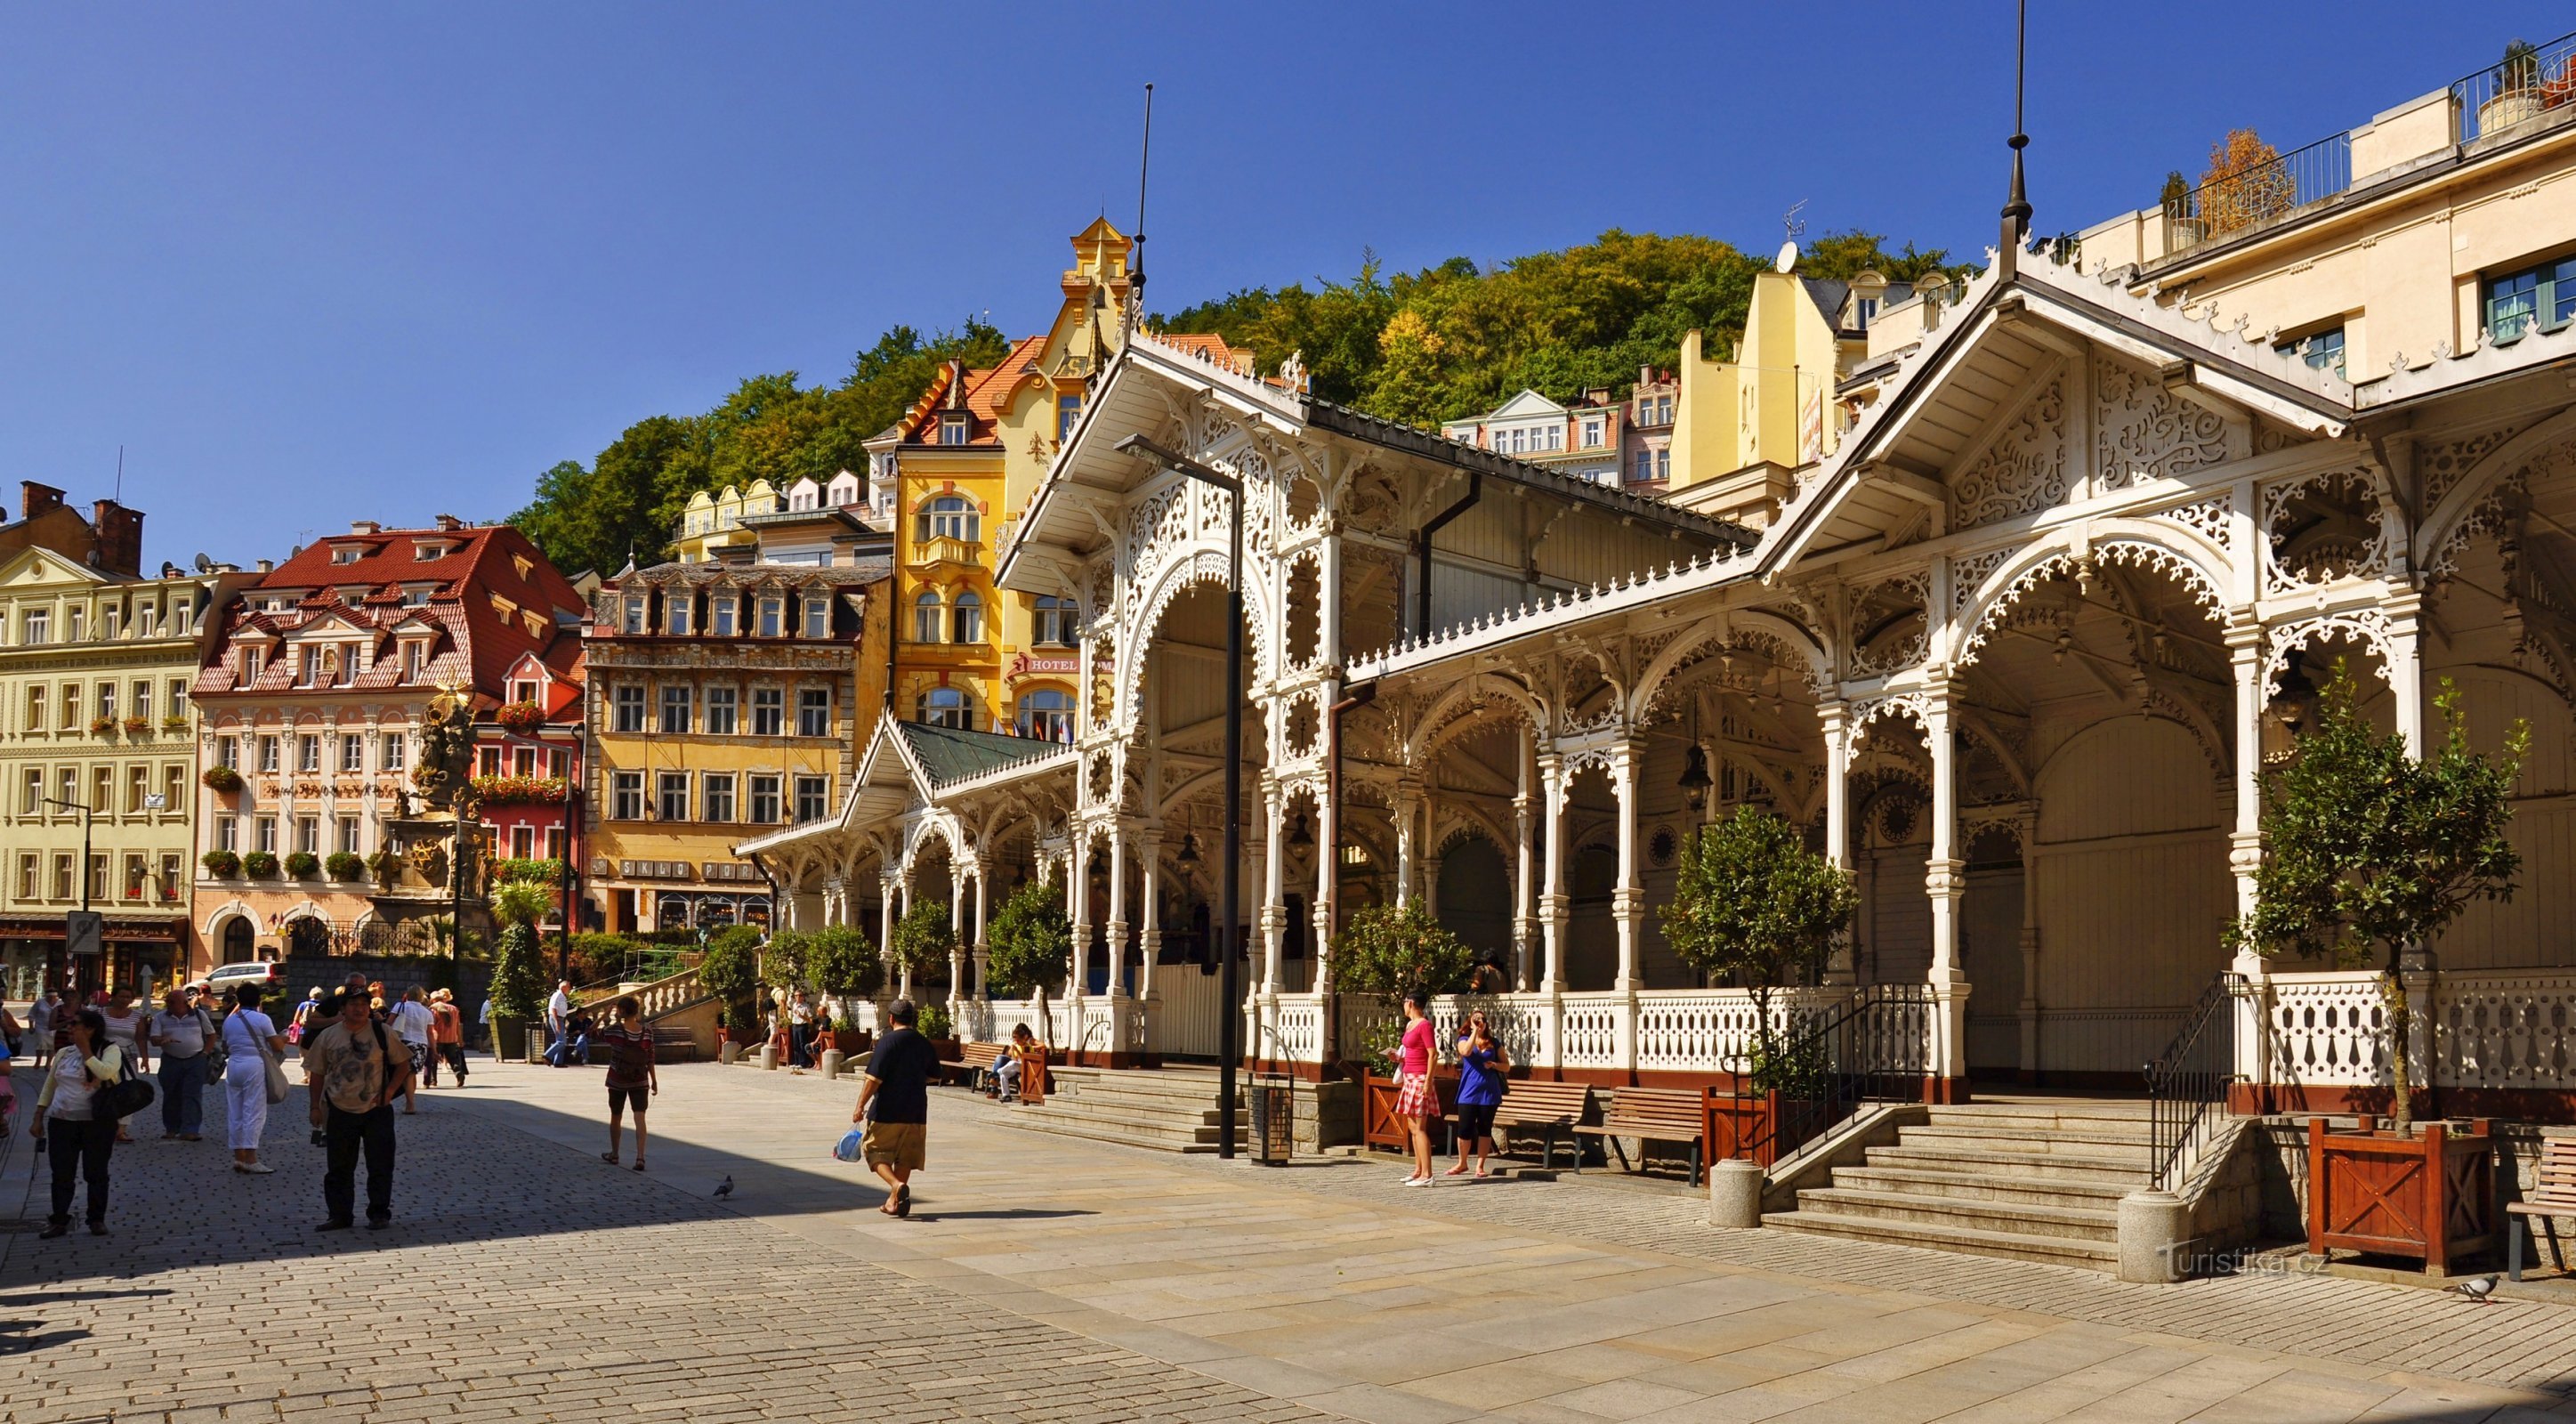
[(174, 724), (220, 778), (137, 726), (520, 717), (518, 790), (101, 726)]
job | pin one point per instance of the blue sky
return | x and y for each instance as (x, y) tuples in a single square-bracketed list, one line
[(315, 263)]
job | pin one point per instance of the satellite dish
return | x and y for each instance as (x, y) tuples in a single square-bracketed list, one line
[(205, 565), (1788, 257)]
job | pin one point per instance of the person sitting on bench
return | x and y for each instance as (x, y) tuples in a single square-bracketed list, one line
[(573, 1049), (1011, 1062)]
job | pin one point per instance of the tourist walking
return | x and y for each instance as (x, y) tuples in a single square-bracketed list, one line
[(558, 1019), (446, 1036), (411, 1021), (249, 1037), (352, 1072), (1416, 1100), (127, 1025), (79, 1131), (894, 1102), (1482, 1066), (40, 1026), (800, 1032), (631, 1076), (179, 1033), (308, 1020)]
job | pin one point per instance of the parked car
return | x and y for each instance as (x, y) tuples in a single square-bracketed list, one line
[(268, 974)]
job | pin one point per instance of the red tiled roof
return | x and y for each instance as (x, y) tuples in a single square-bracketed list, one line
[(986, 388), (475, 641)]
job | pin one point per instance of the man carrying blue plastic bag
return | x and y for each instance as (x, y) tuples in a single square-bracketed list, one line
[(894, 1103)]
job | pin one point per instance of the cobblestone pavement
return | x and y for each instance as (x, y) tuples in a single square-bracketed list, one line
[(519, 1282), (1044, 1278)]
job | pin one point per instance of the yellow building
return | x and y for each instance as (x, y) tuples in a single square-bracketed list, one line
[(726, 697), (952, 475), (1742, 428), (98, 755), (714, 521)]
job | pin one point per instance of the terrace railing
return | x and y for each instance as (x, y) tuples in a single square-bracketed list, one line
[(2258, 195), (2522, 88)]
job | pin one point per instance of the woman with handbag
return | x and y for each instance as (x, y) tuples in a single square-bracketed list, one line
[(80, 1127), (252, 1079)]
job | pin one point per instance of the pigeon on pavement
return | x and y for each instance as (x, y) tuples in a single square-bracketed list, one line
[(2481, 1289), (725, 1187)]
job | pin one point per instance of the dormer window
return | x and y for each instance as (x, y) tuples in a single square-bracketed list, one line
[(953, 428), (411, 659), (524, 565), (634, 623), (426, 550), (523, 689), (348, 553), (417, 596), (1864, 311)]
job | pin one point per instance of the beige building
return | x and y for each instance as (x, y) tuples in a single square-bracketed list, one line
[(97, 746)]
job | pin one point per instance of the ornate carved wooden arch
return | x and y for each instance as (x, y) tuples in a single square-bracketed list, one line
[(2456, 503), (2178, 551)]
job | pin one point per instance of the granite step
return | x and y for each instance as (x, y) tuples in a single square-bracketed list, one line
[(2011, 1189), (2120, 1169), (2054, 1250), (2006, 1218)]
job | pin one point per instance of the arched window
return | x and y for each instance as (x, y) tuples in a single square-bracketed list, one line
[(1047, 715), (927, 619), (1058, 625), (947, 707), (970, 618), (950, 517)]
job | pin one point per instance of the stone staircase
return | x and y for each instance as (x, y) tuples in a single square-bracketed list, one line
[(2030, 1178), (1173, 1109)]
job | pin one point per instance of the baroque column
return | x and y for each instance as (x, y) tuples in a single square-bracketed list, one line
[(1149, 934), (1118, 913), (1832, 712), (1524, 902)]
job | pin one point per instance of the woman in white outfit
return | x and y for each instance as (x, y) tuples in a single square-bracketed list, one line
[(248, 1037)]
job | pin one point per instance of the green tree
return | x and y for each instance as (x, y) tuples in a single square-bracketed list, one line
[(923, 939), (787, 959), (1753, 907), (1400, 949), (521, 902), (2367, 849), (1028, 949), (518, 982), (845, 964), (730, 970), (1846, 254)]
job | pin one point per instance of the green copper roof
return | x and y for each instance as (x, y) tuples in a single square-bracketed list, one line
[(951, 755)]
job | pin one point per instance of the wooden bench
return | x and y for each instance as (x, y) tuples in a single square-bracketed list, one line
[(2553, 1194), (674, 1045), (974, 1063), (1544, 1110), (1655, 1115)]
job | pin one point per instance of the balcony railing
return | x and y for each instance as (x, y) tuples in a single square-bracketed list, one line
[(2260, 195), (2516, 91)]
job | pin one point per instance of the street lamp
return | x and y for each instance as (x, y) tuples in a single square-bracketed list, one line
[(1229, 982), (88, 815)]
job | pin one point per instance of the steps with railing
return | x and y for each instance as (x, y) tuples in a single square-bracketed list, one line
[(2187, 1083), (1872, 1047)]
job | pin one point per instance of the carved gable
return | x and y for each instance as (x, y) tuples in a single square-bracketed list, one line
[(2141, 431), (2023, 470)]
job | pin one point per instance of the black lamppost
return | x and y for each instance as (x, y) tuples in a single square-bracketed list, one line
[(1229, 1042), (87, 814)]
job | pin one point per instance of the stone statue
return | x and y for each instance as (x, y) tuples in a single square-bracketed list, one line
[(445, 773), (402, 803)]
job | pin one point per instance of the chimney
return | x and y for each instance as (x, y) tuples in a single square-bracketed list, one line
[(119, 532), (364, 526), (268, 566), (450, 523), (35, 499)]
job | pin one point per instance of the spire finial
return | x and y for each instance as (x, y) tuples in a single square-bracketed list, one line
[(2016, 212), (1136, 264)]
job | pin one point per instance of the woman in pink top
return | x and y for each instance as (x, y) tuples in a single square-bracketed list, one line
[(1416, 1101)]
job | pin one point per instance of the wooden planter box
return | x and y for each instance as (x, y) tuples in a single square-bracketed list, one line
[(1380, 1127), (2430, 1196), (1745, 1128)]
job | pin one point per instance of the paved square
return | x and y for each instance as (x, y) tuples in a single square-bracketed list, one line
[(1044, 1278)]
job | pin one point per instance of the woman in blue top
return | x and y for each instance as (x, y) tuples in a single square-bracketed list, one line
[(1482, 1065)]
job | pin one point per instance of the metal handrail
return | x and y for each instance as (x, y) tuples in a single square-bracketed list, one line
[(2547, 80), (1873, 1047), (2259, 195), (2188, 1082)]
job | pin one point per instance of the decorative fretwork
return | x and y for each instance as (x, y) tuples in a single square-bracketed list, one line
[(1969, 574), (2135, 553), (2023, 470), (2366, 625), (2442, 467), (2143, 431), (2213, 518), (2344, 537)]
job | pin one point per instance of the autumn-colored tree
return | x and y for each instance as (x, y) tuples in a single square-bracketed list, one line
[(2246, 183)]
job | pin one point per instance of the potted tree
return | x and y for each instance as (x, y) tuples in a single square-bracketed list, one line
[(730, 970), (2369, 854), (1028, 952), (846, 966), (2517, 90), (1754, 908), (2182, 223), (1388, 951), (924, 942), (518, 977)]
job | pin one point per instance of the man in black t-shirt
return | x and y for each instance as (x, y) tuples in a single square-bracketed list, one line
[(894, 1102)]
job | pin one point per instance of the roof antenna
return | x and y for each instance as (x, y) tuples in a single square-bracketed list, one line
[(2016, 212), (1136, 265), (120, 474)]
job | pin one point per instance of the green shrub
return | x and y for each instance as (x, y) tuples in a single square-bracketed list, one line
[(845, 964), (518, 983), (260, 865), (303, 865), (933, 1022), (345, 865), (221, 864), (782, 960), (730, 971), (1400, 949), (1029, 945), (923, 939)]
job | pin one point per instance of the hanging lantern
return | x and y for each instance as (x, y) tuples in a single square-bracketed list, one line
[(1301, 839), (2294, 706), (1695, 780), (1188, 859)]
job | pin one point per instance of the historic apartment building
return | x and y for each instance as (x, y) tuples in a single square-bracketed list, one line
[(1587, 440), (311, 703), (724, 698), (528, 754), (97, 743)]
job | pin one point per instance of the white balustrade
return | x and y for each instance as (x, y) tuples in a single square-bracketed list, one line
[(2329, 1030), (2490, 1028), (1589, 1031)]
